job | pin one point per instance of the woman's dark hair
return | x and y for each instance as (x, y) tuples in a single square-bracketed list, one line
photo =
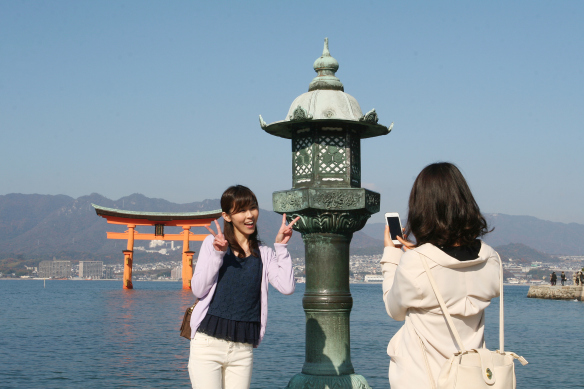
[(234, 199), (442, 209)]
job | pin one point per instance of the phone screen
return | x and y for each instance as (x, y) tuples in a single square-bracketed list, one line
[(394, 227)]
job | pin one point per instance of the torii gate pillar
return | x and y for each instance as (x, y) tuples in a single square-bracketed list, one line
[(187, 269), (128, 261), (129, 258)]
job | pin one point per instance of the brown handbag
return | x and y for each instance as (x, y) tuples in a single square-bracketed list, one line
[(185, 328)]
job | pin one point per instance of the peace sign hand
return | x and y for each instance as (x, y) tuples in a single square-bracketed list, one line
[(285, 232), (219, 243)]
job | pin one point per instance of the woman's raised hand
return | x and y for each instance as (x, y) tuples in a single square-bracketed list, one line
[(285, 232), (407, 245), (219, 243), (387, 242)]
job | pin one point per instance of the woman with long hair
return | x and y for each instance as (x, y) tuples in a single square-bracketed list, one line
[(231, 282), (446, 222)]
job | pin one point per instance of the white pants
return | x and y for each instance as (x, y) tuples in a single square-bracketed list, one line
[(219, 364)]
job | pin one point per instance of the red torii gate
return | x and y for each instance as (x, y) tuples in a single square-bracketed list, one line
[(131, 219)]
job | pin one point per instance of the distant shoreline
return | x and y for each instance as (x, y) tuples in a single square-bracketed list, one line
[(120, 280)]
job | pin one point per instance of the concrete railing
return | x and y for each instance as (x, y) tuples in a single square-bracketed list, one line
[(556, 292)]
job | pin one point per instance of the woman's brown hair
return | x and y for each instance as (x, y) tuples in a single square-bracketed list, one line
[(234, 199), (442, 209)]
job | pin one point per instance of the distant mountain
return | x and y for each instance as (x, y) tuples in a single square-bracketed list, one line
[(37, 227), (519, 252), (41, 224), (547, 237)]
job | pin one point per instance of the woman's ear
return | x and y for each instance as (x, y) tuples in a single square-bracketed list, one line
[(226, 217)]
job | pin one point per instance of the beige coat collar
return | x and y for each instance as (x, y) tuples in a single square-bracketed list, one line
[(441, 258)]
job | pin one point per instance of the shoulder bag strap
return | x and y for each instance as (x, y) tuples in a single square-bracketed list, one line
[(442, 304), (501, 309), (447, 314)]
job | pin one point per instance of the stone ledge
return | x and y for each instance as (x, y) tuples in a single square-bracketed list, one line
[(556, 292)]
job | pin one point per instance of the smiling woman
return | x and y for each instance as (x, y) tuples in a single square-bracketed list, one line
[(231, 283), (240, 212)]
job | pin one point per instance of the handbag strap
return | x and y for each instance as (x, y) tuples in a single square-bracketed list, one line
[(447, 314), (431, 378), (501, 308)]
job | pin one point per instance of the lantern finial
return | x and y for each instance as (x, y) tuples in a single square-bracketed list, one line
[(326, 67)]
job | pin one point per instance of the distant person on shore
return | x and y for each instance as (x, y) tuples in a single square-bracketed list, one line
[(446, 223), (231, 282), (575, 279), (553, 278), (563, 278), (581, 277)]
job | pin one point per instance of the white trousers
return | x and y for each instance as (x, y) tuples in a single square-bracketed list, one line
[(219, 364)]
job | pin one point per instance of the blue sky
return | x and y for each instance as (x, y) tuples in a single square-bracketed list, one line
[(163, 98)]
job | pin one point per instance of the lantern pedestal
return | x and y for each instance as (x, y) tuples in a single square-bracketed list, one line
[(328, 218), (355, 381)]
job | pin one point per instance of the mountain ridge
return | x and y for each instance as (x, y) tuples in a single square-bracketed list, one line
[(553, 238), (35, 227)]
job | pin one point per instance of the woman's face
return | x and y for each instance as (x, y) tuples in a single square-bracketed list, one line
[(245, 220)]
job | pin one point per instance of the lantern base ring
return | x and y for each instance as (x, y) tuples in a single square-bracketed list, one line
[(349, 381)]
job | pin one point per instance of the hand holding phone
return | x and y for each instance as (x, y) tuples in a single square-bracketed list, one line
[(395, 228)]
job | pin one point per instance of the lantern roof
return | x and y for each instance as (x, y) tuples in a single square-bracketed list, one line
[(328, 104), (155, 216)]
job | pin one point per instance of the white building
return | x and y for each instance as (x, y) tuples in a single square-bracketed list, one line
[(373, 278), (176, 273), (108, 272), (55, 269), (91, 269)]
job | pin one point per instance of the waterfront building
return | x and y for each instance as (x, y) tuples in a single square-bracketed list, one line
[(373, 278), (176, 273), (91, 269), (108, 272), (55, 269)]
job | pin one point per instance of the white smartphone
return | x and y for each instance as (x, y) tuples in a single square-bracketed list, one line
[(395, 228)]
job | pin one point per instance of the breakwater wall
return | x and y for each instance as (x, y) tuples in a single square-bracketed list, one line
[(556, 292)]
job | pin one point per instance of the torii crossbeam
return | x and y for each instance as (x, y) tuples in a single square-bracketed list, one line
[(159, 220)]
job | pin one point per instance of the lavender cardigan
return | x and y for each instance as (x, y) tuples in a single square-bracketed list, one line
[(277, 270)]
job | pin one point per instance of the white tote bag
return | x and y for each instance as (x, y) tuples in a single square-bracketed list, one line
[(476, 368)]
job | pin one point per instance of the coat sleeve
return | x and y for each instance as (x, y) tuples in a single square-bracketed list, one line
[(208, 265), (400, 290), (280, 272)]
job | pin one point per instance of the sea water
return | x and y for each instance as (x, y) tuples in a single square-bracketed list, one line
[(94, 334)]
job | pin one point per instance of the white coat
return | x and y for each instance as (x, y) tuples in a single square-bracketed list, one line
[(467, 288)]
